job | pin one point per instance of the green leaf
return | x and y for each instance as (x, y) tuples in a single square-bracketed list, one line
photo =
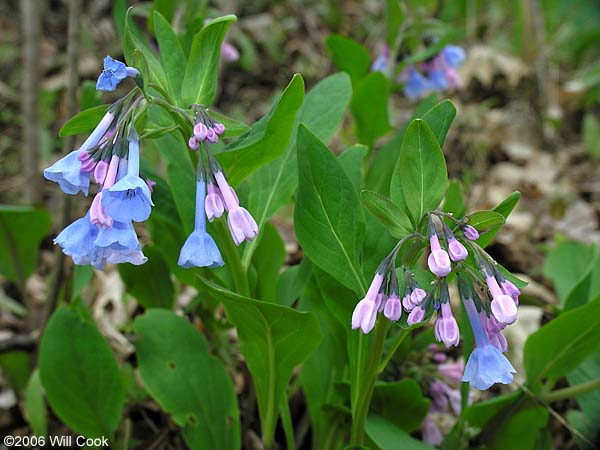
[(505, 208), (393, 19), (351, 160), (272, 186), (328, 220), (171, 55), (35, 405), (483, 220), (370, 108), (406, 392), (454, 202), (567, 265), (201, 73), (135, 40), (588, 287), (16, 369), (591, 136), (21, 230), (233, 128), (394, 219), (563, 343), (83, 122), (420, 176), (589, 403), (388, 436), (439, 118), (481, 413), (267, 139), (268, 259), (322, 370), (520, 431), (292, 281), (80, 375), (274, 339), (187, 381), (349, 56), (149, 283)]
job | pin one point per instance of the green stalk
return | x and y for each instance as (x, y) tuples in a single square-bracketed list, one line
[(571, 391), (240, 280), (399, 339), (365, 389)]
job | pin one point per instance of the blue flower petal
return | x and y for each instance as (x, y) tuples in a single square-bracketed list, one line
[(77, 240), (121, 236), (129, 199), (200, 250), (487, 366), (416, 85), (67, 173), (453, 55), (117, 68), (437, 79)]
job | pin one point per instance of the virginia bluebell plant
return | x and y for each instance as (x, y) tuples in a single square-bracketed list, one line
[(438, 73), (111, 155), (490, 308)]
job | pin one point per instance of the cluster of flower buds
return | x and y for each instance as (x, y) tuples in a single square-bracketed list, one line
[(205, 130), (489, 312), (220, 196), (111, 154), (435, 74)]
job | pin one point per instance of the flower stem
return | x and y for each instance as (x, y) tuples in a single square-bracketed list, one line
[(399, 339), (571, 391), (365, 389), (240, 280)]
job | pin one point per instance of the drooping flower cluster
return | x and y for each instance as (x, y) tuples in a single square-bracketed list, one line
[(435, 74), (221, 196), (489, 312), (111, 157)]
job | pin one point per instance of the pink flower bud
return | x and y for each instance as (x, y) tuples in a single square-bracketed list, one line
[(193, 143), (457, 251), (393, 308), (200, 131)]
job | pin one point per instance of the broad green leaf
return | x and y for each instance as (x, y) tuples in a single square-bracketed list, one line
[(16, 367), (119, 13), (587, 289), (563, 343), (81, 278), (520, 430), (328, 220), (21, 230), (80, 375), (272, 186), (388, 436), (589, 403), (35, 405), (292, 281), (454, 202), (394, 219), (567, 265), (149, 283), (187, 381), (322, 370), (351, 160), (481, 413), (420, 176), (274, 339), (268, 259), (439, 118), (171, 55), (370, 108), (380, 171), (267, 139), (406, 392), (201, 73), (394, 16), (135, 40), (377, 244), (349, 56), (83, 122), (505, 208), (484, 220), (233, 128), (591, 136)]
